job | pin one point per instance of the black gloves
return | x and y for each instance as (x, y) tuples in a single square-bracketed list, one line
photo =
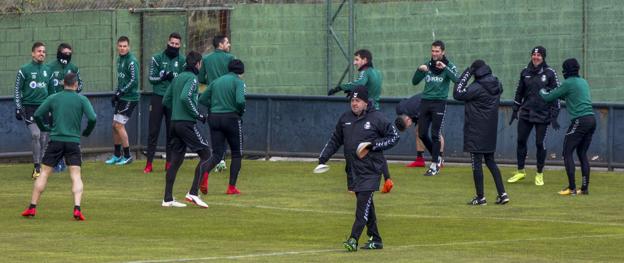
[(116, 97), (168, 76), (555, 124), (203, 118), (333, 91), (514, 115), (19, 115)]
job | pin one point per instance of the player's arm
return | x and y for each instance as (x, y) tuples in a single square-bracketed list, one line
[(389, 137), (154, 72), (555, 106), (42, 111), (361, 81), (19, 81), (189, 90), (240, 96), (87, 108), (332, 145), (451, 72), (206, 97), (463, 91), (419, 75), (80, 83), (202, 72), (555, 94), (134, 74)]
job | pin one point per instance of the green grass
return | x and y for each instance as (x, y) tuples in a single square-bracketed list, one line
[(288, 214)]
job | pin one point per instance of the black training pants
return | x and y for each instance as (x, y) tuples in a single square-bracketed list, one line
[(431, 114), (578, 137), (477, 172), (365, 216), (227, 127), (157, 111), (524, 130)]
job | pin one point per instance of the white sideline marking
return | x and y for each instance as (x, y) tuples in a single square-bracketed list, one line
[(379, 215), (290, 253)]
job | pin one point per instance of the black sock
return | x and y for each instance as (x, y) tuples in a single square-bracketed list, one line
[(37, 166), (126, 152), (32, 206), (118, 150), (77, 207), (419, 154), (441, 154)]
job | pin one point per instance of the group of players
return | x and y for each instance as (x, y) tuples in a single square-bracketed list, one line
[(47, 100), (365, 133)]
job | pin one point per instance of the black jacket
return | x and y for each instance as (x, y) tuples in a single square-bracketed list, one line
[(481, 100), (372, 126), (410, 107), (531, 106)]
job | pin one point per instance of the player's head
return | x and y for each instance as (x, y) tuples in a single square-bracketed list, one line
[(437, 50), (571, 68), (236, 66), (538, 55), (123, 45), (175, 40), (70, 81), (359, 100), (194, 59), (362, 57), (64, 53), (402, 122), (38, 52), (221, 42)]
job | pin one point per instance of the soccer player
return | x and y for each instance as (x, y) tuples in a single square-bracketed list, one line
[(59, 67), (481, 99), (438, 72), (31, 89), (181, 98), (68, 107), (575, 91), (407, 112), (372, 79), (225, 97), (215, 65), (124, 100), (362, 124), (164, 67), (533, 112)]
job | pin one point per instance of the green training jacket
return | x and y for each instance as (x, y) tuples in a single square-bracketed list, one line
[(161, 64), (181, 97), (214, 65), (58, 74), (128, 77), (31, 84), (575, 92), (436, 86), (67, 107), (372, 79), (225, 94)]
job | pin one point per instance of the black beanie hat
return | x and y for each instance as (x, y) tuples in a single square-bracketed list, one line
[(477, 64), (571, 67), (539, 49), (360, 92), (236, 66)]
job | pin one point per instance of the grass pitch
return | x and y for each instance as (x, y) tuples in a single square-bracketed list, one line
[(288, 214)]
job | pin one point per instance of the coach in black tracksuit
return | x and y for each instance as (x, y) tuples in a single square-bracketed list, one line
[(481, 100), (532, 111), (362, 124)]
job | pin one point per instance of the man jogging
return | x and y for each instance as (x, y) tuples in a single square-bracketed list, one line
[(533, 112), (124, 100), (31, 89), (407, 112), (181, 98), (481, 99), (575, 91), (225, 97), (438, 72), (372, 79), (68, 107), (360, 130), (164, 67)]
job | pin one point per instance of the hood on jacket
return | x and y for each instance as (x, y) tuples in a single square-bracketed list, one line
[(483, 76)]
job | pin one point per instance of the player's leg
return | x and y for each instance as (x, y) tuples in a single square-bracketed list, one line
[(581, 151), (234, 135), (570, 142), (156, 112), (502, 197), (524, 130), (477, 175), (541, 130)]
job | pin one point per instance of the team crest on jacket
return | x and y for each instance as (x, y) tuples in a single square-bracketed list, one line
[(175, 64), (543, 78), (367, 125)]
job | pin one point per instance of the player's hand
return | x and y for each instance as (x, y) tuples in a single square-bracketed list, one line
[(423, 68), (555, 124), (333, 91), (19, 115), (116, 97), (168, 76), (514, 116), (440, 65), (203, 118)]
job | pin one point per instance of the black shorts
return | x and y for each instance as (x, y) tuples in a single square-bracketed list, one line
[(185, 134), (124, 107), (57, 150), (29, 115)]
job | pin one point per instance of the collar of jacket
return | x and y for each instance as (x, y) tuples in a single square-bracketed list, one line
[(365, 66)]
